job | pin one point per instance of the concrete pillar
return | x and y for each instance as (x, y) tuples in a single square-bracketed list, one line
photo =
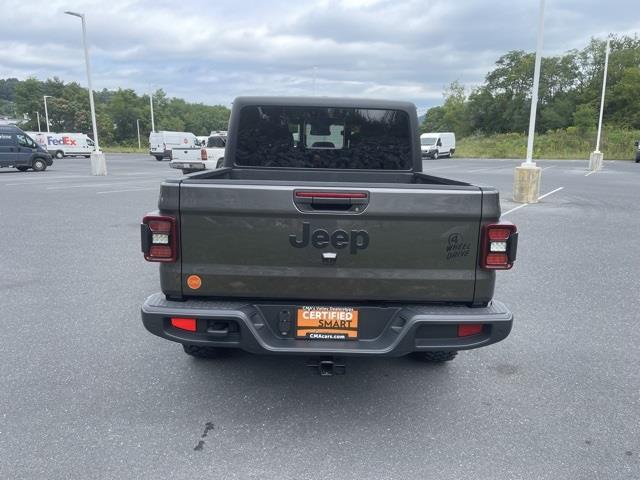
[(526, 183), (595, 161), (98, 164)]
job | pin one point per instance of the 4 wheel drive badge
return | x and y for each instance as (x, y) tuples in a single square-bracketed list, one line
[(456, 247)]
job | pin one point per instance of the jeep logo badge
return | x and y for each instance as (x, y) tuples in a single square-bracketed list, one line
[(355, 240)]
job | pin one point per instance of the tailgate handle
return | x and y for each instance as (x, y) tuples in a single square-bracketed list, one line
[(350, 202)]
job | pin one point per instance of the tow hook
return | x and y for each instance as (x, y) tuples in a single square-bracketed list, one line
[(327, 366)]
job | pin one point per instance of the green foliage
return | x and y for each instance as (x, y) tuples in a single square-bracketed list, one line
[(569, 98), (116, 110), (568, 143), (585, 117)]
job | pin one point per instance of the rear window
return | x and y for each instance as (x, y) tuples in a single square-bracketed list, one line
[(324, 137)]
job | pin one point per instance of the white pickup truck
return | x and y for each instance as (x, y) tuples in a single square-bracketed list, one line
[(193, 159)]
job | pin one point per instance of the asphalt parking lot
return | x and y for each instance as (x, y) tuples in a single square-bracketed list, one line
[(88, 393)]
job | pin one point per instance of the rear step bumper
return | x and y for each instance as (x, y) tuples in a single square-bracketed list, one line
[(393, 330)]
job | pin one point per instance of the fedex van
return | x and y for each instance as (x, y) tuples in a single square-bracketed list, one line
[(64, 144), (434, 145), (161, 143)]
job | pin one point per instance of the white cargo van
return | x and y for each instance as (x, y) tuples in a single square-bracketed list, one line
[(161, 143), (437, 144), (64, 144)]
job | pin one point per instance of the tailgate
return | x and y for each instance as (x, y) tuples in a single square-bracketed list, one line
[(413, 243), (185, 154)]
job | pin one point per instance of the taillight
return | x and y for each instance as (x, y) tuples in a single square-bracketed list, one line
[(203, 154), (468, 329), (498, 246), (159, 238), (188, 324)]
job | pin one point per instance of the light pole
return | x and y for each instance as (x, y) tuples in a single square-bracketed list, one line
[(38, 115), (595, 159), (138, 126), (46, 112), (526, 182), (153, 124), (98, 161)]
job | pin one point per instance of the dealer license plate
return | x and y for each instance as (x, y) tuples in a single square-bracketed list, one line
[(327, 323)]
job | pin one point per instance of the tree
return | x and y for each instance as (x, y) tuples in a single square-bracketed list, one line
[(624, 100), (585, 117)]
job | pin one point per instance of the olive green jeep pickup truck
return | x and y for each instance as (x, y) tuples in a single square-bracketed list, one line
[(321, 236)]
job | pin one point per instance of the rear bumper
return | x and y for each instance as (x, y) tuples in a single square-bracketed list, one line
[(385, 330), (187, 165)]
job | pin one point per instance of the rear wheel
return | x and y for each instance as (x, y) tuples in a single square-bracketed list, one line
[(59, 154), (201, 352), (159, 158), (39, 165), (219, 164), (434, 357), (23, 169)]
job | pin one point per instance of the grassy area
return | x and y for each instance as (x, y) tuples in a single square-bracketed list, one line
[(119, 149), (559, 144)]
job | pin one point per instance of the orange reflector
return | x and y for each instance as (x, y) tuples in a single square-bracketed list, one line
[(468, 329), (184, 323), (194, 282)]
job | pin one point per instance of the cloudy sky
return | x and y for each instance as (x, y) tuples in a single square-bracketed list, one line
[(212, 51)]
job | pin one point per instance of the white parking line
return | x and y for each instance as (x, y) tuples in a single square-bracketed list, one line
[(526, 204), (486, 169), (48, 179), (515, 208), (549, 193), (427, 170), (547, 168), (592, 171), (129, 190), (102, 184)]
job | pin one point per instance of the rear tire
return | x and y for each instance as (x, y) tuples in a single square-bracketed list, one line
[(39, 165), (201, 352), (219, 164), (23, 169), (159, 158), (434, 357), (59, 154)]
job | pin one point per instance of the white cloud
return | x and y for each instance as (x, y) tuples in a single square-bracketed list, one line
[(212, 52)]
